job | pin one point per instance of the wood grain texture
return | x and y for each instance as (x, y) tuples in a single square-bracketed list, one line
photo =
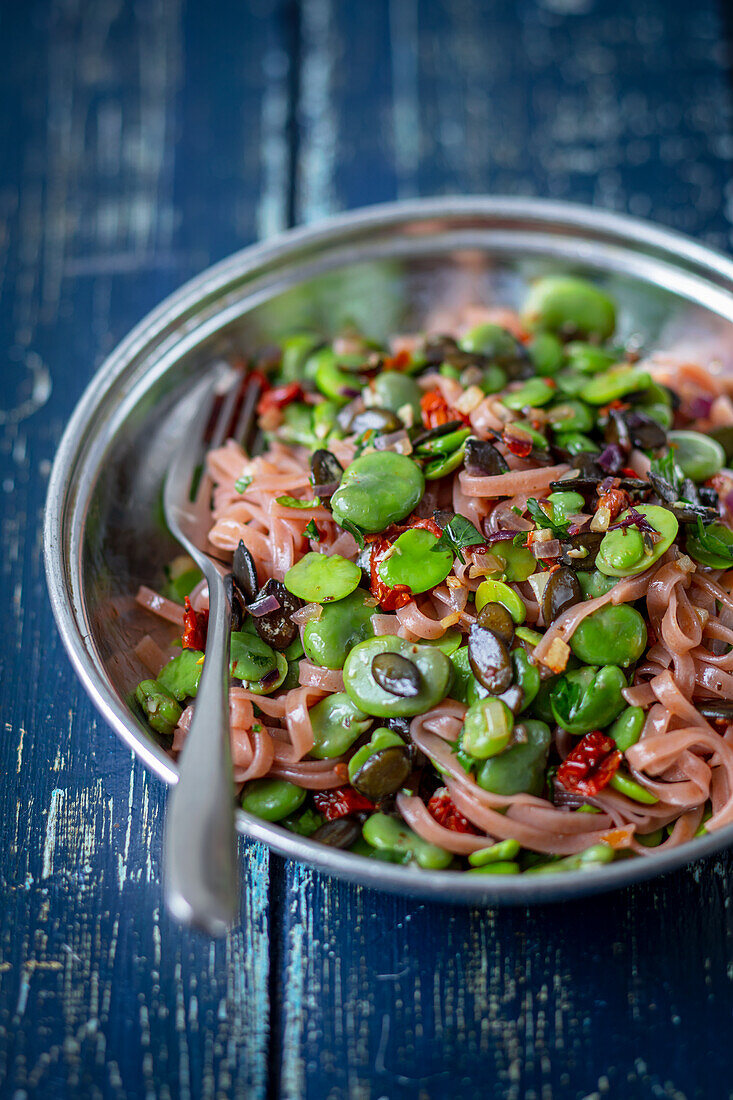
[(139, 143)]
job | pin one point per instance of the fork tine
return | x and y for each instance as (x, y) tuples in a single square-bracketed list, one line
[(224, 415), (246, 416), (182, 469)]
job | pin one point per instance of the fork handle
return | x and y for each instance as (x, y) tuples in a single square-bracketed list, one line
[(201, 871)]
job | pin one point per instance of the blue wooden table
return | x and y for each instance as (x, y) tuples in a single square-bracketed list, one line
[(140, 141)]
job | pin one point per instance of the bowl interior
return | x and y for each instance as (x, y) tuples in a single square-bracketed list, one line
[(400, 275)]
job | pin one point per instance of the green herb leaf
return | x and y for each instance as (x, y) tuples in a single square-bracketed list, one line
[(312, 531), (243, 483), (293, 502), (347, 525), (457, 534), (711, 542), (542, 520), (667, 469)]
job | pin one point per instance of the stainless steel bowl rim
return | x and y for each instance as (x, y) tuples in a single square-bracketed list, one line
[(60, 504)]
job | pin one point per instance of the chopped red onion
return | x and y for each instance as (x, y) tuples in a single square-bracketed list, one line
[(394, 441), (700, 407), (549, 549), (265, 606), (635, 519), (501, 536), (326, 490), (612, 459), (306, 614)]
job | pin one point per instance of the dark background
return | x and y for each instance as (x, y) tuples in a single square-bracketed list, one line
[(140, 141)]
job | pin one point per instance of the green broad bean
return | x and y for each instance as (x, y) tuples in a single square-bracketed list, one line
[(377, 489), (493, 379), (465, 687), (434, 667), (533, 394), (322, 578), (414, 562), (651, 840), (393, 390), (587, 698), (526, 676), (569, 306), (624, 784), (325, 425), (576, 443), (250, 657), (272, 799), (595, 856), (546, 353), (498, 592), (334, 382), (541, 707), (518, 562), (704, 554), (297, 425), (182, 576), (181, 675), (697, 455), (494, 342), (589, 358), (496, 853), (495, 869), (614, 384), (623, 552), (593, 583), (295, 351), (390, 835), (444, 464), (449, 371), (565, 504), (538, 439), (295, 650), (526, 634), (570, 382), (626, 730), (570, 416), (381, 739), (448, 644), (487, 728), (292, 679), (613, 634), (444, 444), (305, 823), (336, 725), (520, 768), (269, 683), (159, 707), (342, 625)]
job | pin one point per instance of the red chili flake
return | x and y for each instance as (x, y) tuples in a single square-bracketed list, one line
[(279, 397), (436, 410), (519, 445), (340, 802), (425, 524), (390, 599), (616, 500), (195, 627), (591, 765), (399, 362), (628, 472), (442, 808)]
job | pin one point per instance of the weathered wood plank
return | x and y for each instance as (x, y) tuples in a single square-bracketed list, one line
[(138, 143), (627, 995)]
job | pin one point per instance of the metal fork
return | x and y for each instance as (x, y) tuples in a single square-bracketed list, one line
[(200, 859)]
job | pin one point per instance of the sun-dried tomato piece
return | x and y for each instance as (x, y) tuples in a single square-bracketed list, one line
[(390, 599), (195, 627), (400, 361), (436, 411), (442, 808), (518, 442), (340, 802), (591, 765), (424, 524), (615, 500), (279, 397)]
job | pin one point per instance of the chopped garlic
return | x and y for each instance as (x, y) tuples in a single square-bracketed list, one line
[(406, 414), (601, 519), (538, 582), (469, 400), (453, 582), (450, 620), (557, 655)]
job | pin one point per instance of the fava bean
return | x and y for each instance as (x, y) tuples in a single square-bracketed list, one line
[(336, 723), (272, 799), (465, 687), (593, 583), (546, 353), (495, 343), (707, 556), (517, 562), (526, 634), (565, 504), (587, 698), (251, 658), (271, 681), (495, 853), (341, 625), (365, 692), (415, 562), (388, 834), (697, 455), (625, 785), (595, 856), (576, 443), (332, 380), (181, 675), (616, 634), (159, 707), (394, 390), (495, 869), (615, 384), (487, 728), (377, 489), (526, 678), (295, 352), (498, 592), (533, 394), (624, 552), (589, 358), (322, 578), (570, 416), (520, 768), (297, 426), (569, 306), (626, 730)]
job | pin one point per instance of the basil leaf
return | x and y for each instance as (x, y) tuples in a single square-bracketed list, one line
[(312, 531), (457, 534), (358, 534), (243, 483), (711, 542), (542, 520), (293, 502)]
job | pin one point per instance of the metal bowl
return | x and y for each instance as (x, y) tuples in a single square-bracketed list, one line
[(386, 268)]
